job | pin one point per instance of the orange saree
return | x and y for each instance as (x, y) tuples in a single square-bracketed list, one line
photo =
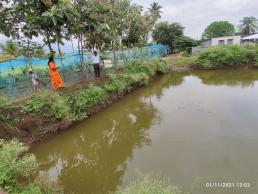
[(55, 77)]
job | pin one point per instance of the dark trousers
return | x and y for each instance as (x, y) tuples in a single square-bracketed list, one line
[(96, 69)]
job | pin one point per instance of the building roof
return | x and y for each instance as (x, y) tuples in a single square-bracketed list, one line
[(252, 37)]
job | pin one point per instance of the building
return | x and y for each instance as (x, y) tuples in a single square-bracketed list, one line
[(252, 39), (227, 40)]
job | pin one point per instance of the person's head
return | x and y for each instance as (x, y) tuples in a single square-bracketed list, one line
[(30, 72), (51, 59), (95, 53)]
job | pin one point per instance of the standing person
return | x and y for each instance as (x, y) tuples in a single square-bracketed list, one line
[(55, 77), (95, 62), (35, 80)]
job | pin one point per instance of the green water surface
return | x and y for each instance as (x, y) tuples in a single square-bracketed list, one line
[(194, 128)]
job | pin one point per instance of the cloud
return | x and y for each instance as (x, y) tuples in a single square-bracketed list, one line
[(196, 15)]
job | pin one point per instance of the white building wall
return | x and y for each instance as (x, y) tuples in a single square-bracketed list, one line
[(206, 43), (227, 40)]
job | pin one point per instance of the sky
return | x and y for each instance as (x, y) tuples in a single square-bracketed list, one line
[(196, 15)]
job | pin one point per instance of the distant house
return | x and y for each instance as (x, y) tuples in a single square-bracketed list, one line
[(227, 40), (252, 39)]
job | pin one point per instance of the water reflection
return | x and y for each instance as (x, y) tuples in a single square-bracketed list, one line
[(93, 156), (243, 78), (162, 128)]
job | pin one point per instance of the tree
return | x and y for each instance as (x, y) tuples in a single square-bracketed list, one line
[(248, 25), (98, 36), (155, 12), (9, 19), (184, 42), (165, 33), (137, 28), (29, 49), (10, 48), (219, 29)]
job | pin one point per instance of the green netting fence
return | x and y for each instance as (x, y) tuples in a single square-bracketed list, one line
[(15, 80)]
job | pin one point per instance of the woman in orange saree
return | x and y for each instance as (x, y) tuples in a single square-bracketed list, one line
[(55, 77)]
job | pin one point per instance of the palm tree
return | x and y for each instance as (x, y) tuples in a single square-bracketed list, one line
[(248, 25), (155, 11), (10, 48)]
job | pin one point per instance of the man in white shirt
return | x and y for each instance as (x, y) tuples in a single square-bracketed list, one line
[(95, 62)]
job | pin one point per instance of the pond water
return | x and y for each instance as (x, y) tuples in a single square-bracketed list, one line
[(194, 128)]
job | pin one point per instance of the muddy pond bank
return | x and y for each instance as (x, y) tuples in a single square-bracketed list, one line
[(46, 113)]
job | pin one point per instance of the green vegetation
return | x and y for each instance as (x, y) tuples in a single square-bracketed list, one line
[(150, 185), (248, 26), (77, 104), (10, 48), (172, 34), (135, 73), (84, 99), (49, 104), (102, 23), (219, 29), (231, 55), (16, 165), (181, 60)]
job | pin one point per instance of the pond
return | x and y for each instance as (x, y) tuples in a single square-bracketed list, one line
[(192, 127)]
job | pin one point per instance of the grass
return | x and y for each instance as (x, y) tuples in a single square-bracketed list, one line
[(180, 60)]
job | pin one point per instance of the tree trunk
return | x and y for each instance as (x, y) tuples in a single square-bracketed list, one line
[(72, 43), (123, 52), (82, 49), (84, 72), (61, 58), (79, 51), (48, 43), (113, 50)]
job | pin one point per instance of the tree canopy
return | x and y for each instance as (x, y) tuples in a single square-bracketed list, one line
[(95, 24), (167, 33), (248, 25), (155, 11), (219, 29)]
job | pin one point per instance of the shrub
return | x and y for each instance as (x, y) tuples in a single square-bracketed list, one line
[(135, 73), (150, 185), (48, 103), (137, 78), (15, 163), (230, 55), (117, 84), (138, 67), (161, 66), (87, 98)]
